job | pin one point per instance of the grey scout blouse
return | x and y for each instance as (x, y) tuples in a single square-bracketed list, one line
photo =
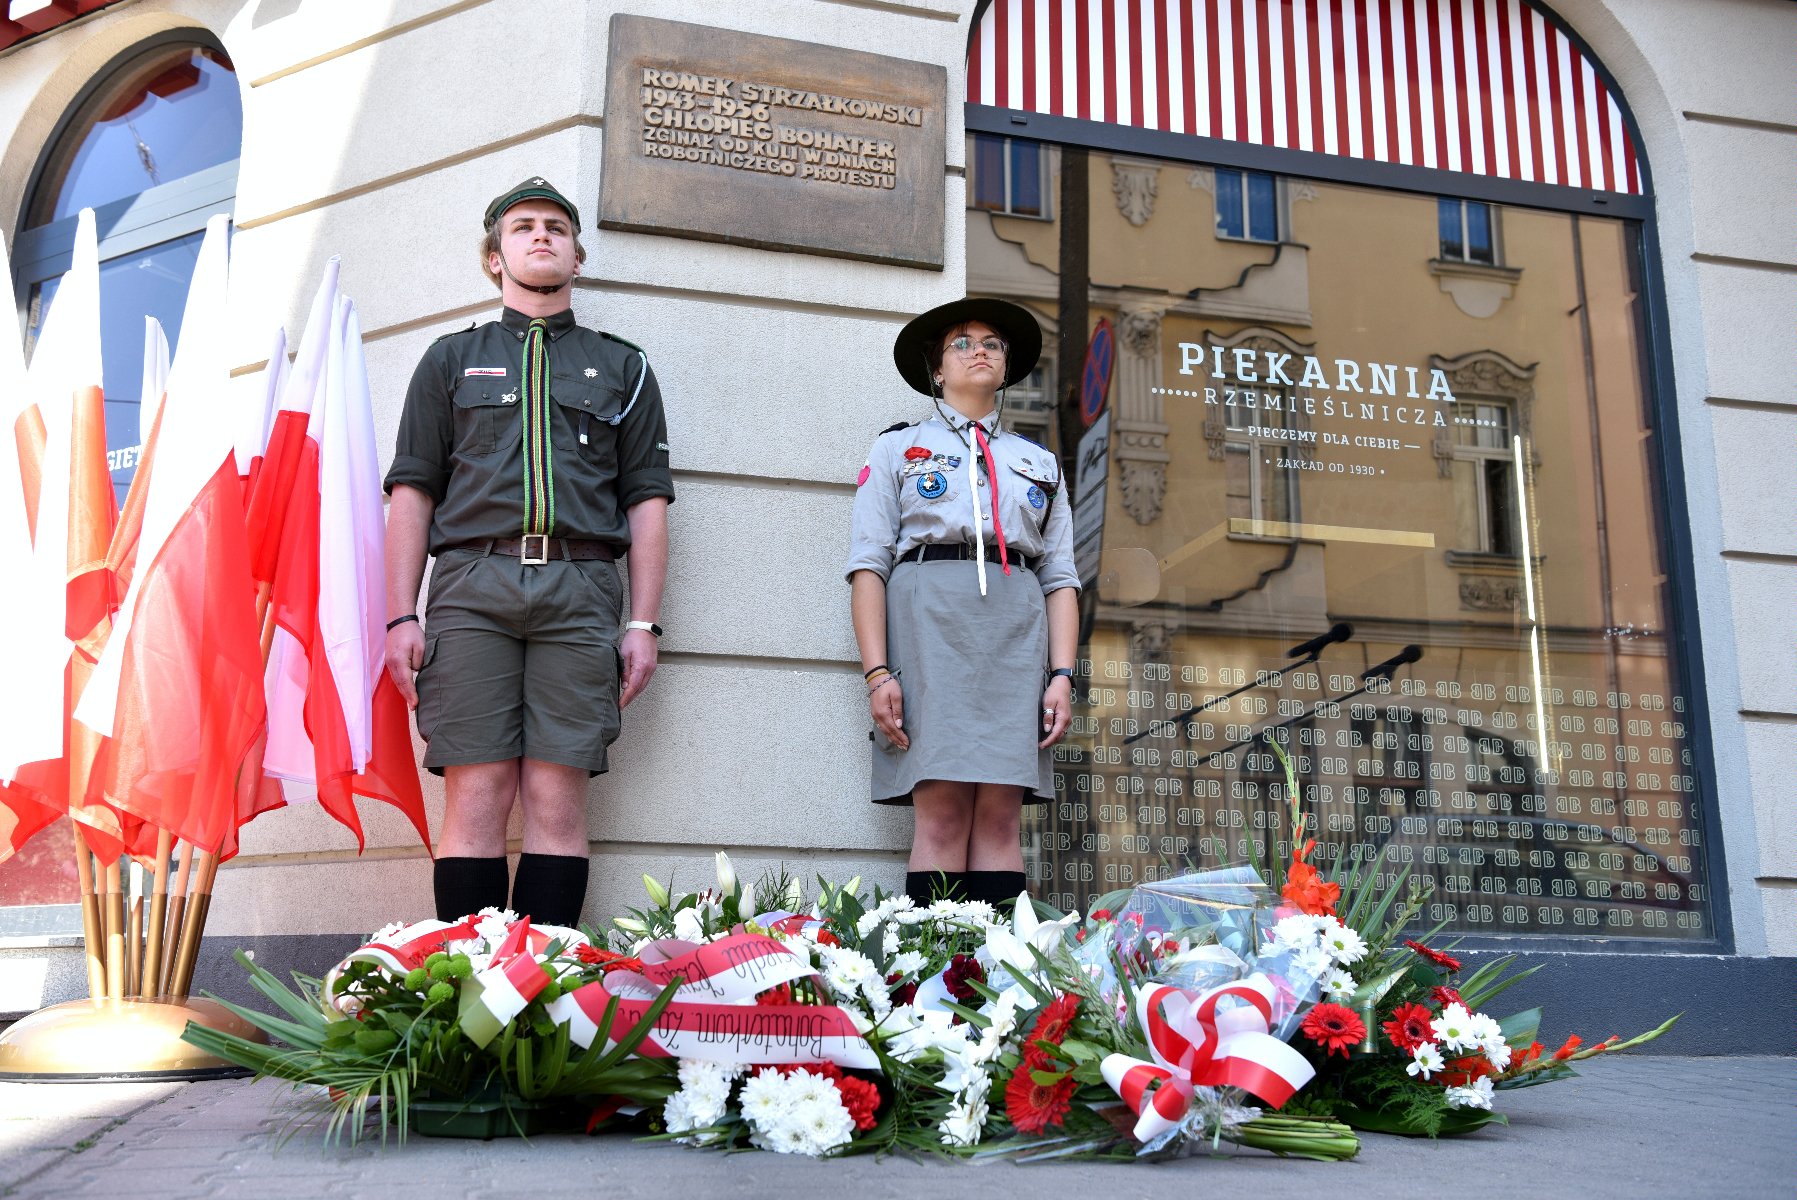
[(460, 432), (904, 502)]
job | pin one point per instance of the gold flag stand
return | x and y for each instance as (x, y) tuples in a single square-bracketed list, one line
[(129, 1027)]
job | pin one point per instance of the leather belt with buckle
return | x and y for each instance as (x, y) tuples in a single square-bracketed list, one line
[(535, 549), (962, 552)]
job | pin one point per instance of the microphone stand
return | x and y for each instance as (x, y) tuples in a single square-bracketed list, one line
[(1311, 652), (1369, 677)]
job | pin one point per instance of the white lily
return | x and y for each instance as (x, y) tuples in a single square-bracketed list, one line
[(1011, 948), (726, 875), (795, 894), (658, 895)]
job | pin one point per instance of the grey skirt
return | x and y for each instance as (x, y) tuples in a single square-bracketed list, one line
[(972, 669)]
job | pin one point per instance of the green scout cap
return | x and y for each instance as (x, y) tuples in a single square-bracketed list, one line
[(534, 188)]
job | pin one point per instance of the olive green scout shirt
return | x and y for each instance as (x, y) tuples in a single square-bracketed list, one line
[(459, 435)]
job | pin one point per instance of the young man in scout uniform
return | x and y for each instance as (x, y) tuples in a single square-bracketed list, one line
[(532, 455)]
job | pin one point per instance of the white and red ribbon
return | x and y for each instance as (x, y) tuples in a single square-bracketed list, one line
[(1195, 1044), (513, 978)]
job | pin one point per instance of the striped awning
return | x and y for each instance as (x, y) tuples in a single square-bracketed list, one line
[(1488, 87)]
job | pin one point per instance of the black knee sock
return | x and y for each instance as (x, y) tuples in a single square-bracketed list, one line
[(466, 885), (550, 888), (925, 886), (997, 888)]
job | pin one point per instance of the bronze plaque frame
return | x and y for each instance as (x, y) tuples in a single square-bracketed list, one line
[(759, 141)]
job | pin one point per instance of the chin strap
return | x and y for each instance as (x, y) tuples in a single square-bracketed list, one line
[(529, 287)]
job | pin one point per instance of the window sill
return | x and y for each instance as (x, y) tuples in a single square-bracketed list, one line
[(1480, 560), (1250, 241), (999, 212), (1463, 269)]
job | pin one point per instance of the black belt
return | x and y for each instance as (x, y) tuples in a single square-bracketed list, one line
[(541, 548), (962, 552)]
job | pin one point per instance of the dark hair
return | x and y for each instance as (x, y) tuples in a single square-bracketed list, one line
[(938, 345), (489, 243)]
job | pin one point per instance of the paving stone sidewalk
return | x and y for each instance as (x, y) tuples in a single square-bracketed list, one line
[(1628, 1128)]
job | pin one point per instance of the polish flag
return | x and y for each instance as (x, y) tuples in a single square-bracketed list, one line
[(121, 556), (59, 613), (178, 691), (21, 812), (253, 432), (329, 593)]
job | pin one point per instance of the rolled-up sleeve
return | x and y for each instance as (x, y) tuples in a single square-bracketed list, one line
[(643, 472), (1058, 570), (874, 527), (421, 453)]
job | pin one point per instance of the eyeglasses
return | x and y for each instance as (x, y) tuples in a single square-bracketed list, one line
[(965, 345)]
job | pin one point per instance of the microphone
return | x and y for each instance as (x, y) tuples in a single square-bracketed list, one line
[(1338, 632), (1409, 654)]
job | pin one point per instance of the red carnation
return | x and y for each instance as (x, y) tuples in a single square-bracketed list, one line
[(826, 938), (1409, 1026), (776, 995), (1034, 1106), (916, 454), (861, 1099), (1101, 914), (1334, 1027), (904, 993), (1446, 962), (1445, 996), (963, 972)]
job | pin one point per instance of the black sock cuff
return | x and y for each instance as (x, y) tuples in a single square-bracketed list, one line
[(925, 887), (464, 886), (551, 889)]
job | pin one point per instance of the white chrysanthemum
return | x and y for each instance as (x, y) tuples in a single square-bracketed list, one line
[(1497, 1052), (1475, 1095), (963, 1124), (1454, 1028), (1425, 1060), (1484, 1029), (805, 1088), (389, 930), (827, 1123), (1342, 944), (763, 1096), (1338, 984), (1296, 932), (1313, 963), (889, 942), (961, 1069), (909, 962), (911, 916)]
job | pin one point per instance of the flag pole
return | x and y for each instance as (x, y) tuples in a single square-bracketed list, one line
[(150, 980), (92, 938)]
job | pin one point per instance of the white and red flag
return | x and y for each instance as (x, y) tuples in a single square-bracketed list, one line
[(179, 689), (22, 810), (257, 422), (328, 689)]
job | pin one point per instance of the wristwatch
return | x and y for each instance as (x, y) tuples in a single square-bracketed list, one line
[(650, 626)]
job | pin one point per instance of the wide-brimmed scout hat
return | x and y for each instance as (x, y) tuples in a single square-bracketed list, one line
[(534, 188), (1023, 338)]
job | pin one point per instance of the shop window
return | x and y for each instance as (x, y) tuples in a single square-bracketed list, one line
[(1247, 206), (1008, 176), (152, 147), (1260, 487), (1468, 232), (1485, 478)]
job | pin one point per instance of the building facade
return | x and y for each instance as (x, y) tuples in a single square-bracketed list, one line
[(1422, 364)]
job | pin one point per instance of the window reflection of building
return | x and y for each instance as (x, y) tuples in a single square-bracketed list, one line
[(1468, 231), (1247, 205), (1029, 403), (1008, 175), (1484, 478)]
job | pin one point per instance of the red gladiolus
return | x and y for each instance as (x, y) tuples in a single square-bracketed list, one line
[(1334, 1027), (606, 960), (1306, 889), (1033, 1106), (1460, 1072), (1446, 962), (1409, 1027), (1565, 1052), (1525, 1057), (1445, 996)]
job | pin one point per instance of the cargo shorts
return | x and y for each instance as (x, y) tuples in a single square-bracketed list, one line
[(519, 661)]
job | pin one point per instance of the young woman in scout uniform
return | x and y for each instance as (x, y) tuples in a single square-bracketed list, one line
[(965, 603)]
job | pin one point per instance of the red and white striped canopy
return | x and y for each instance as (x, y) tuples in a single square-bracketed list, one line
[(1489, 87)]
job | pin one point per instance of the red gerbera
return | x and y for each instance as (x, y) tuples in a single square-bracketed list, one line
[(964, 971), (1445, 996), (1334, 1027), (1054, 1023), (1409, 1026), (1446, 962), (1034, 1106)]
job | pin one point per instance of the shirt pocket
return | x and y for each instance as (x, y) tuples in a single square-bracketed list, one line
[(486, 416), (928, 487), (585, 410), (1034, 490)]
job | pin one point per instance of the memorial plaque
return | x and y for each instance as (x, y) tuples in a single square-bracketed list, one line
[(759, 141)]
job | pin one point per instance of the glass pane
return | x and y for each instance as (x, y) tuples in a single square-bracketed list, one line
[(1447, 216), (1478, 232), (150, 283), (1229, 203), (1263, 211), (1520, 743), (176, 114), (1026, 178), (988, 172)]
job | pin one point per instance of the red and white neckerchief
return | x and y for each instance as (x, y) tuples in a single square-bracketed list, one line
[(984, 450)]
